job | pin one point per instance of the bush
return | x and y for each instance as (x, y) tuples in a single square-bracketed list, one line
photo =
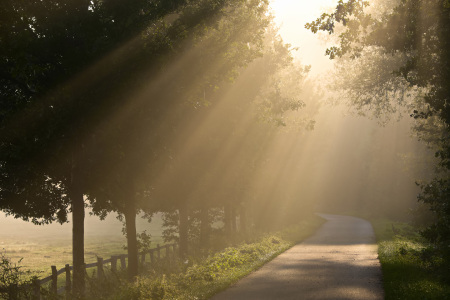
[(11, 277)]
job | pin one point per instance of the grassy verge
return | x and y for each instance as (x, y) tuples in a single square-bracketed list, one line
[(411, 268), (200, 279)]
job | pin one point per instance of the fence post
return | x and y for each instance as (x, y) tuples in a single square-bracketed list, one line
[(99, 267), (36, 289), (159, 251), (12, 291), (152, 257), (54, 288), (143, 257), (123, 264), (114, 263), (68, 281)]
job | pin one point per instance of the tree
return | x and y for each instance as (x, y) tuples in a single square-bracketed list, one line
[(142, 136), (418, 31), (58, 60)]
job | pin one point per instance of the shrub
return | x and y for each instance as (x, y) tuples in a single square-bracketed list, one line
[(11, 277)]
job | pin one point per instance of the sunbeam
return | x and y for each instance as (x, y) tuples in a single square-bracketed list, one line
[(218, 133)]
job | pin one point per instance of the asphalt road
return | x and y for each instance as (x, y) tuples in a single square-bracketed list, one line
[(338, 262)]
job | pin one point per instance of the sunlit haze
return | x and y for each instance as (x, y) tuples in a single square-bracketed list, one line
[(206, 127), (313, 168), (291, 17)]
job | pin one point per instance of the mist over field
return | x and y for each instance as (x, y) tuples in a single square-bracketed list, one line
[(95, 227)]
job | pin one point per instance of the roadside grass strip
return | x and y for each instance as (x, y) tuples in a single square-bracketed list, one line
[(412, 269)]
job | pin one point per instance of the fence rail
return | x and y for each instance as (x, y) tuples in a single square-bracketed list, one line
[(35, 286)]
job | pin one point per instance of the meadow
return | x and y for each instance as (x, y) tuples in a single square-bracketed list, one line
[(40, 247)]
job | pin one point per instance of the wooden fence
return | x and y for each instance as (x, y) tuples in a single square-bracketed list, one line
[(154, 255)]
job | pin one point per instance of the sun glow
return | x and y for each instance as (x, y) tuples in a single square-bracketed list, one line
[(292, 16)]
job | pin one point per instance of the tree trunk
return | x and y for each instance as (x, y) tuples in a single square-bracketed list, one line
[(227, 221), (233, 220), (76, 196), (204, 228), (183, 229), (78, 241), (130, 224), (243, 220)]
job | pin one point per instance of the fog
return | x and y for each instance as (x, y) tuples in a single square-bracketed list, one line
[(344, 164), (95, 228)]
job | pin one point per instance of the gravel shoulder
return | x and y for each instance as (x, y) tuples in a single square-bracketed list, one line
[(339, 261)]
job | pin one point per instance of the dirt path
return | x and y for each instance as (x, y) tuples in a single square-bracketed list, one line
[(338, 262)]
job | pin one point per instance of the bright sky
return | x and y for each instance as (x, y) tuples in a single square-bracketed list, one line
[(291, 16)]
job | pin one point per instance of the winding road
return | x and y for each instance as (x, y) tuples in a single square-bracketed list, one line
[(338, 262)]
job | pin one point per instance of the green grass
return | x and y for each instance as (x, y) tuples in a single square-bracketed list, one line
[(411, 268)]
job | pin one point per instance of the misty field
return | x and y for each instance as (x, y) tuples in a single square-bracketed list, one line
[(38, 254), (40, 247)]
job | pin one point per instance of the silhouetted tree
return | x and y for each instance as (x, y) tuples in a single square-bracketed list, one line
[(58, 61)]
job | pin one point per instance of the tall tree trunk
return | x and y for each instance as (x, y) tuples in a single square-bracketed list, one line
[(204, 228), (233, 220), (75, 192), (130, 224), (76, 196), (227, 221), (243, 219), (183, 229)]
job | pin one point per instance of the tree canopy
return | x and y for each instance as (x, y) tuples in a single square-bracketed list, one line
[(94, 95), (68, 72)]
